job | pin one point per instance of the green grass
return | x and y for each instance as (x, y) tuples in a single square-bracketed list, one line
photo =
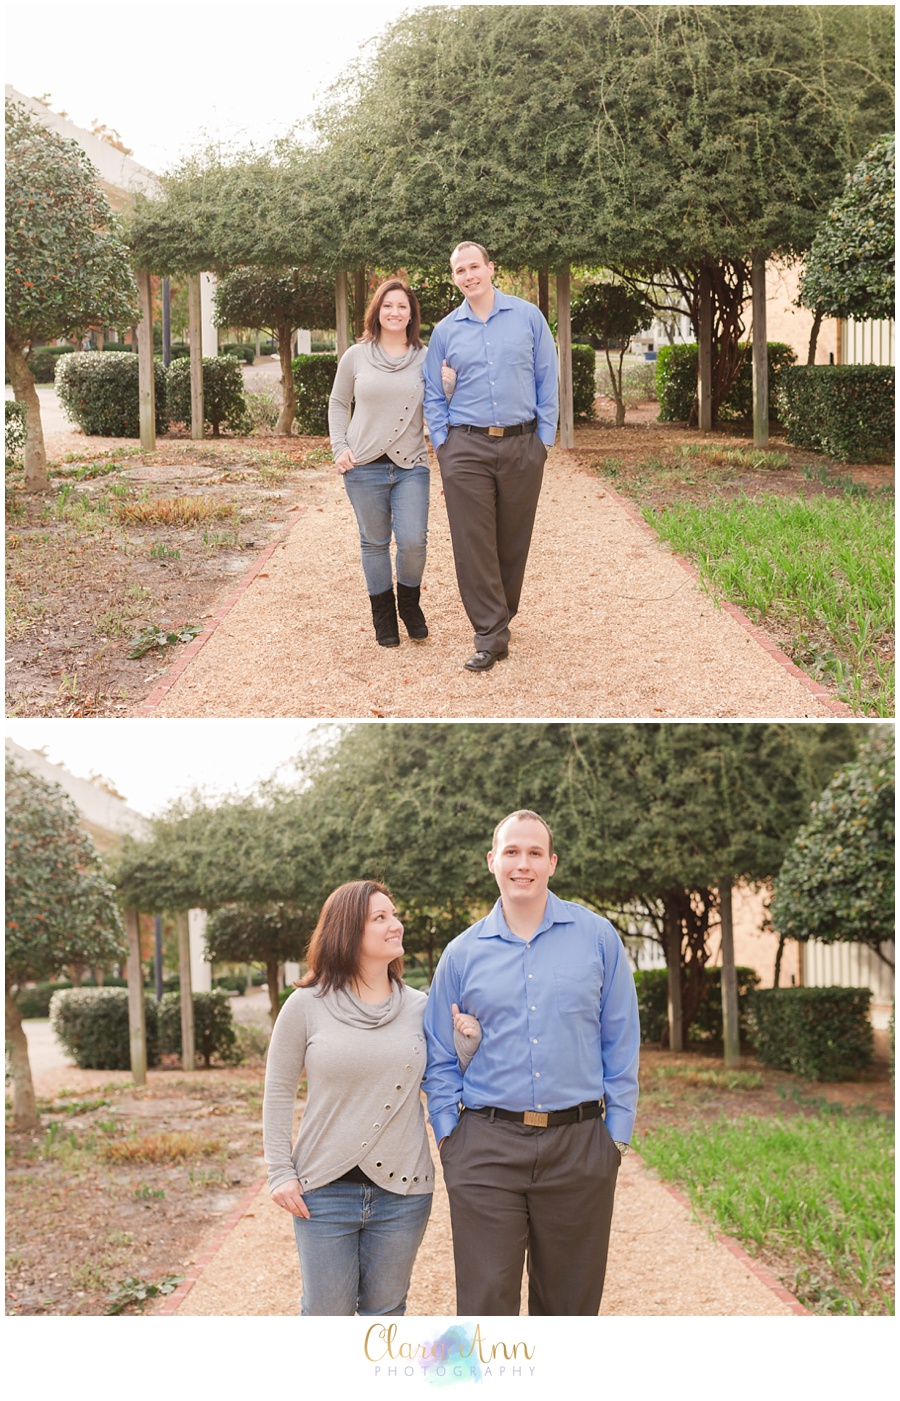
[(814, 1192), (822, 567)]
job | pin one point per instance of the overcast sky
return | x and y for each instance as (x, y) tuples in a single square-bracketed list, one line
[(151, 762), (163, 74)]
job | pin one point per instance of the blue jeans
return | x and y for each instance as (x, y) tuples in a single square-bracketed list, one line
[(357, 1249), (385, 497)]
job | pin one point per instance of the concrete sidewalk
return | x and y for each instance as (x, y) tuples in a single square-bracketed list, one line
[(612, 625)]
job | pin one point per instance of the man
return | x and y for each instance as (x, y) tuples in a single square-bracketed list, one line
[(548, 1101), (491, 440)]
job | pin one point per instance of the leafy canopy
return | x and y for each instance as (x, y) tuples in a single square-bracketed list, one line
[(60, 907), (67, 267), (850, 269), (267, 300), (837, 879)]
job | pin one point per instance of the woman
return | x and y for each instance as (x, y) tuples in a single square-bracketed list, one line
[(359, 1180), (382, 456)]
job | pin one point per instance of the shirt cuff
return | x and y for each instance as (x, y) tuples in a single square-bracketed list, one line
[(443, 1124), (620, 1124)]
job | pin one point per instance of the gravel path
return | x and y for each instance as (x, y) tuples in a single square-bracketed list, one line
[(611, 625), (661, 1262)]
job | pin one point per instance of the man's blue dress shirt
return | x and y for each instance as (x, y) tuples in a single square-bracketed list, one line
[(558, 1014), (506, 370)]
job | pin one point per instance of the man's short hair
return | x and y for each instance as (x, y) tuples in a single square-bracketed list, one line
[(470, 243), (522, 815)]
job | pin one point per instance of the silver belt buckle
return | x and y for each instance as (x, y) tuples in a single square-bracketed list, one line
[(536, 1120), (495, 432)]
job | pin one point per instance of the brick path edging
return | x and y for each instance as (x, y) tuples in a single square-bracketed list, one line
[(174, 1301), (172, 673), (835, 706), (755, 1268)]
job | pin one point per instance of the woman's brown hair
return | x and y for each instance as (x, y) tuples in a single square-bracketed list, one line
[(372, 323), (333, 953)]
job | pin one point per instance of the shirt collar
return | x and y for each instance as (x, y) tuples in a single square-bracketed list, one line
[(502, 302), (556, 912)]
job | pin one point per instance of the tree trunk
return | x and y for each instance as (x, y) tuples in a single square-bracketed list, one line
[(777, 976), (34, 453), (616, 382), (544, 292), (730, 1029), (814, 339), (673, 961), (272, 982), (288, 413), (24, 1106)]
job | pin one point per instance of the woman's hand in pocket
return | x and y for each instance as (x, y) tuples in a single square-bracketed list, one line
[(290, 1196), (345, 462)]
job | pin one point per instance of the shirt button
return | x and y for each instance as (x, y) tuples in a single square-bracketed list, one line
[(534, 1041), (531, 975), (537, 1075), (534, 1009)]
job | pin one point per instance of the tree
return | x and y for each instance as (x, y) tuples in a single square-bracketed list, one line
[(611, 315), (850, 268), (268, 934), (278, 302), (60, 907), (67, 267), (837, 880)]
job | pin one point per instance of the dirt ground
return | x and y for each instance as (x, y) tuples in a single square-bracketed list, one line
[(80, 1223), (89, 570)]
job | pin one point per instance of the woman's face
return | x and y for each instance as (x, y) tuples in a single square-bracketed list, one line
[(382, 939), (395, 311)]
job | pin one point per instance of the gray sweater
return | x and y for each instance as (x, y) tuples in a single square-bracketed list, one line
[(387, 418), (364, 1064)]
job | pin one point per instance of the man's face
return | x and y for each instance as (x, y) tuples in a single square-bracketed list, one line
[(521, 862), (471, 273)]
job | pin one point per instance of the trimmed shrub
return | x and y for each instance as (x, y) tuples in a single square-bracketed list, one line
[(100, 393), (241, 351), (35, 1002), (652, 985), (676, 382), (232, 982), (42, 361), (92, 1024), (819, 1033), (313, 378), (14, 432), (584, 380), (214, 1033), (120, 347), (224, 404), (844, 410)]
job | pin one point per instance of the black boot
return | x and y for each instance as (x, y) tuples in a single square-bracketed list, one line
[(384, 616), (410, 612)]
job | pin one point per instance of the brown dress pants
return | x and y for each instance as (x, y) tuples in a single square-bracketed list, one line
[(491, 487), (545, 1194)]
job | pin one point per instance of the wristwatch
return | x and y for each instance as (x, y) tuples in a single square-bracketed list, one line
[(622, 1147)]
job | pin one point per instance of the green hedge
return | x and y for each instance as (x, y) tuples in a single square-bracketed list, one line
[(101, 394), (224, 403), (819, 1033), (214, 1033), (584, 380), (313, 378), (42, 361), (676, 382), (14, 432), (35, 1002), (92, 1024), (239, 350), (844, 410), (652, 985)]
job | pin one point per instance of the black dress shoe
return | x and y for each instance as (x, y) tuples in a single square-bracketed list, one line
[(483, 661)]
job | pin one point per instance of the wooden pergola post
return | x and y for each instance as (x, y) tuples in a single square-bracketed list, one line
[(760, 352), (673, 960), (195, 332), (731, 1033), (146, 387), (359, 302), (342, 313), (137, 1029), (187, 997), (704, 349), (564, 343)]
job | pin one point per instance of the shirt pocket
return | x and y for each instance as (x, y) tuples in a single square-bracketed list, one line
[(578, 994)]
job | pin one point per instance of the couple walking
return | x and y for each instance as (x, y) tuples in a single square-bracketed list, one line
[(487, 387), (527, 1050)]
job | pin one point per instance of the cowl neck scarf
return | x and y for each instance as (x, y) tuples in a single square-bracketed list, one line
[(378, 356), (349, 1009)]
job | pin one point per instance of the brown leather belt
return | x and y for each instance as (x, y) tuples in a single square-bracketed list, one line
[(591, 1109), (512, 431)]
